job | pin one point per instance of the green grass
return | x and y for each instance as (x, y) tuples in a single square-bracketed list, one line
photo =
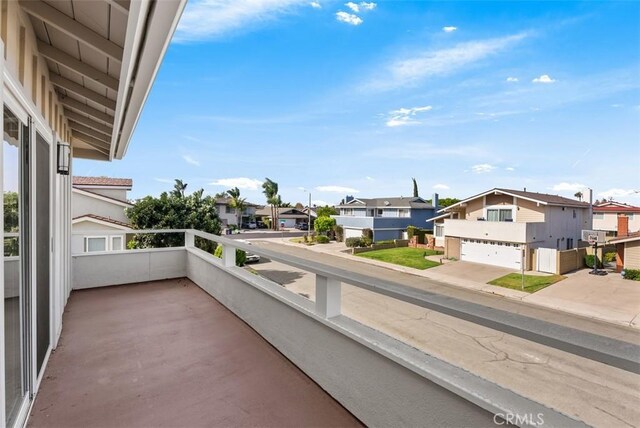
[(404, 256), (532, 283)]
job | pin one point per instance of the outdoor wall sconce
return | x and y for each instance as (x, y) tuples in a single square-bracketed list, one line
[(64, 158)]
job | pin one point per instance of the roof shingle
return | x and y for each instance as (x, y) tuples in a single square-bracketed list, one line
[(102, 181)]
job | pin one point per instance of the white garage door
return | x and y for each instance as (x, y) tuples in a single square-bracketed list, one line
[(494, 253), (352, 233)]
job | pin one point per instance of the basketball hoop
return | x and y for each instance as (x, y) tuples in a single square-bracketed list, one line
[(593, 239)]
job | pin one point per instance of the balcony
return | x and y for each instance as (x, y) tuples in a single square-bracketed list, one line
[(495, 230), (199, 341), (373, 222)]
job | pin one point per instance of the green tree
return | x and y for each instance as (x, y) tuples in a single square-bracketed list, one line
[(324, 224), (174, 210), (221, 195), (11, 223), (270, 190), (238, 203), (415, 188), (445, 202), (326, 211), (178, 188)]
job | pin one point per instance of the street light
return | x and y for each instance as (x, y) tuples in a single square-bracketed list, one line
[(309, 213)]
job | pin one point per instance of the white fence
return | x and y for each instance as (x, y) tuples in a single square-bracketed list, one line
[(547, 260)]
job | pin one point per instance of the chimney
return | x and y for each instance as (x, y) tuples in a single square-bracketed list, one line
[(435, 201), (348, 199), (623, 225), (590, 224)]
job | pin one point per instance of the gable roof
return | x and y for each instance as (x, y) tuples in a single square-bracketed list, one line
[(102, 197), (102, 181), (541, 198), (226, 201), (99, 219), (635, 236), (392, 202), (615, 207), (282, 211)]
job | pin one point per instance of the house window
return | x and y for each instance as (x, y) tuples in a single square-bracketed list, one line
[(403, 212), (379, 212), (499, 215), (228, 209), (347, 211), (569, 243), (116, 243), (598, 216), (574, 213), (440, 230), (95, 243)]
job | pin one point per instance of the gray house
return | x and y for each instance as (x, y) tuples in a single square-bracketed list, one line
[(387, 217)]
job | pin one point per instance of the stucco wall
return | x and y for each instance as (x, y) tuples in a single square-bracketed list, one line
[(609, 222), (529, 212), (119, 194), (499, 199), (452, 247), (474, 209), (83, 205), (561, 224)]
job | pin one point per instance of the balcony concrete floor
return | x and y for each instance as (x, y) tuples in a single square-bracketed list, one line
[(167, 354)]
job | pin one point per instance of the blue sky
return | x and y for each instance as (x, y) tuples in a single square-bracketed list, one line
[(358, 98)]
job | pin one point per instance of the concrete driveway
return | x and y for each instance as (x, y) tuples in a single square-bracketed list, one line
[(471, 271), (602, 297)]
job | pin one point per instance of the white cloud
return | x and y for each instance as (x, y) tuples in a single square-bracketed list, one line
[(482, 168), (164, 180), (210, 19), (368, 6), (543, 79), (619, 193), (370, 178), (510, 168), (336, 189), (512, 79), (189, 159), (348, 18), (441, 187), (411, 70), (315, 5), (449, 29), (568, 187), (353, 6), (405, 116), (239, 182)]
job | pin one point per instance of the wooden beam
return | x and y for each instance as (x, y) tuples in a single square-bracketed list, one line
[(67, 61), (78, 89), (73, 28), (91, 132), (98, 144), (83, 108), (86, 121)]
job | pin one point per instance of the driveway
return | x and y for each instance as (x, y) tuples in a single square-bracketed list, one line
[(603, 297)]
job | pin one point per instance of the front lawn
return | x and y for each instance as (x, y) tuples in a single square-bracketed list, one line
[(532, 283), (404, 256)]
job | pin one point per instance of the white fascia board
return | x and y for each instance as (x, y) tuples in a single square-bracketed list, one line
[(101, 222)]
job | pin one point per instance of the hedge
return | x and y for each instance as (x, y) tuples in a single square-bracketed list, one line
[(321, 239), (589, 261), (632, 274)]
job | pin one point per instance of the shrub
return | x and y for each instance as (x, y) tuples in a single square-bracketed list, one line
[(366, 241), (321, 239), (610, 257), (411, 231), (388, 241), (353, 242), (367, 233), (339, 231), (241, 255), (589, 261), (324, 224), (632, 274)]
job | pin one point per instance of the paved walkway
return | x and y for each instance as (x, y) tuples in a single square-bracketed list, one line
[(606, 298), (167, 354)]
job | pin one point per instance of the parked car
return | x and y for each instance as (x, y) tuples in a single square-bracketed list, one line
[(251, 258), (249, 225), (261, 224), (302, 226)]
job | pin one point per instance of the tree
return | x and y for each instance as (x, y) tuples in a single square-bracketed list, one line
[(578, 195), (11, 223), (179, 188), (326, 211), (415, 188), (324, 224), (238, 203), (221, 195), (270, 190), (299, 206), (445, 202), (174, 210)]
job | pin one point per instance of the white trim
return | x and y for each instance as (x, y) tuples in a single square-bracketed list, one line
[(2, 350), (513, 208), (102, 198), (496, 191), (97, 221), (85, 246), (121, 238)]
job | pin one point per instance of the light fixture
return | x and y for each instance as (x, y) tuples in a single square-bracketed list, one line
[(64, 158)]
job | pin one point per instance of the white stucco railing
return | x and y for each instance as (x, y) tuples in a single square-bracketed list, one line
[(250, 297), (495, 230)]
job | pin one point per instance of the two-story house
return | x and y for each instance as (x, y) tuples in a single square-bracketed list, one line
[(605, 217), (228, 215), (98, 204), (387, 217), (500, 226)]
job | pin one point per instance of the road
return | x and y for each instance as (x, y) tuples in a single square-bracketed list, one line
[(261, 234), (593, 392)]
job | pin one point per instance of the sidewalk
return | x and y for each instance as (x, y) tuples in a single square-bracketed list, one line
[(612, 300)]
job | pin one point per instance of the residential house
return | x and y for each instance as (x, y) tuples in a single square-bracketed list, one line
[(287, 217), (605, 216), (627, 244), (228, 214), (388, 218), (98, 204), (501, 226)]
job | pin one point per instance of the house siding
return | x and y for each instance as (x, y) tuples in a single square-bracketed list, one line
[(120, 194), (529, 212), (474, 209), (632, 255), (499, 200), (609, 222), (84, 205)]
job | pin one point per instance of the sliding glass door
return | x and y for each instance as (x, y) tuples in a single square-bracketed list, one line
[(43, 249)]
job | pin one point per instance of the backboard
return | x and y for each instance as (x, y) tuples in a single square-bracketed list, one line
[(594, 236)]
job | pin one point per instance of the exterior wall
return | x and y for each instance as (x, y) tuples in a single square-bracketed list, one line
[(386, 235), (474, 209), (354, 222), (499, 199), (528, 211), (419, 218), (561, 225), (83, 205), (609, 222), (632, 255), (120, 194), (570, 260), (495, 230), (226, 218), (452, 247)]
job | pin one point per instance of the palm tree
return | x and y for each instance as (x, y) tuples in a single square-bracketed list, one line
[(415, 188), (270, 190), (578, 195), (238, 203), (179, 188)]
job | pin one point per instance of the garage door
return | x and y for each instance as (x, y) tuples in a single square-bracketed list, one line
[(352, 233), (494, 253)]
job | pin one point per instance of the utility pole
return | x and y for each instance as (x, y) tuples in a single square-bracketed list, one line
[(309, 221)]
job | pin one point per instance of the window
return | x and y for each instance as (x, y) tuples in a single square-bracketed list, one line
[(569, 243), (500, 214), (598, 216), (402, 212), (440, 231), (630, 216), (379, 212), (116, 243), (228, 209), (347, 211), (574, 213), (95, 243)]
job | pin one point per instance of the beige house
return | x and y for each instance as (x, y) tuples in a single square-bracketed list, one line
[(605, 216), (501, 226), (98, 205)]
